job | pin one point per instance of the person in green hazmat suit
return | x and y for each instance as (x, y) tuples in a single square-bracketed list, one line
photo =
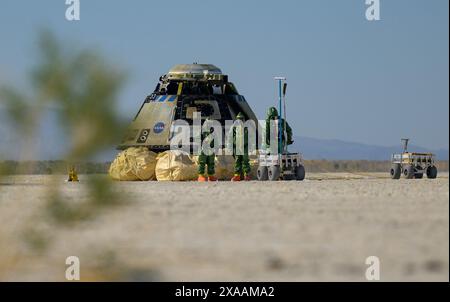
[(206, 163), (238, 142), (286, 134)]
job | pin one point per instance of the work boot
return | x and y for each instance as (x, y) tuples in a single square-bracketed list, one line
[(202, 178), (212, 178), (247, 178), (236, 177)]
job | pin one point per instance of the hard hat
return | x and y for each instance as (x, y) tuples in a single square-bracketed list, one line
[(240, 116), (272, 112)]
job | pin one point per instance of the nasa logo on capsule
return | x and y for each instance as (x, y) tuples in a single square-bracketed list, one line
[(158, 128)]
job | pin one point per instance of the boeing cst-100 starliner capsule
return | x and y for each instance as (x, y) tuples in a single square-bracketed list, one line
[(185, 89)]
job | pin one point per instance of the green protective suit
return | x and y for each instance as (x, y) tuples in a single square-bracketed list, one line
[(240, 150), (272, 114), (206, 162)]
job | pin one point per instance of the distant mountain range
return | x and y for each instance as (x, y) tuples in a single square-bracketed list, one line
[(50, 144), (333, 149), (311, 148)]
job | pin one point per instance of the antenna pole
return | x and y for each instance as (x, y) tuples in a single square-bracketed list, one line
[(280, 114), (405, 144)]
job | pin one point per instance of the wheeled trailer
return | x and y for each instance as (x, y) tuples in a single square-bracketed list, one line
[(281, 165), (412, 164), (273, 167)]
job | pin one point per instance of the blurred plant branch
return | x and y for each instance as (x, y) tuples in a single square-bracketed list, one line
[(82, 86)]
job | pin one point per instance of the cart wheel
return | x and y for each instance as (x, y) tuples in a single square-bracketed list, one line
[(300, 172), (432, 172), (273, 173), (409, 172), (262, 173), (396, 171)]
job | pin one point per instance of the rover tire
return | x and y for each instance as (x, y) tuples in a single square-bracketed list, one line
[(262, 173), (396, 171), (409, 171), (432, 172), (273, 173), (300, 172)]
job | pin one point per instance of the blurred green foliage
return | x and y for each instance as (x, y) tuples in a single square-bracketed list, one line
[(36, 240), (83, 87), (63, 212), (19, 110)]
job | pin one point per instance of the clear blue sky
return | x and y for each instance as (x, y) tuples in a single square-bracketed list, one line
[(349, 79)]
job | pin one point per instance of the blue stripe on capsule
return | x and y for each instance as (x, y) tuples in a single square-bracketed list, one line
[(162, 98), (172, 98)]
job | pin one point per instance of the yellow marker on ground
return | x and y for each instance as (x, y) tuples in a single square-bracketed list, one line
[(73, 176)]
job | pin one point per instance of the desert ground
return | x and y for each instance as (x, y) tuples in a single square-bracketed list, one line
[(321, 229)]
